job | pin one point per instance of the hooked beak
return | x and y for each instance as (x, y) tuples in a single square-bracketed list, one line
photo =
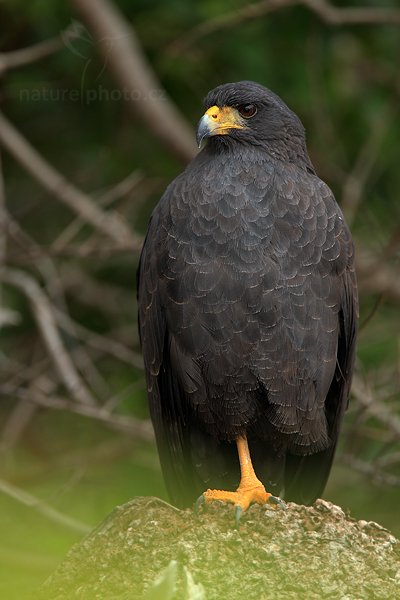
[(218, 121), (204, 129)]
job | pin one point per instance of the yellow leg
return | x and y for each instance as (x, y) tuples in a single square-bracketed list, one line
[(250, 489)]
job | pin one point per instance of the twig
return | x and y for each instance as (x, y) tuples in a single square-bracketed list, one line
[(41, 507), (392, 246), (106, 296), (371, 314), (42, 261), (329, 14), (375, 275), (114, 401), (246, 13), (46, 321), (55, 289), (359, 430), (124, 56), (26, 56), (121, 189), (388, 460), (109, 223), (3, 237), (97, 249), (87, 367), (18, 373), (3, 219), (324, 126), (374, 407), (372, 470), (22, 411), (16, 423), (354, 185), (139, 429), (88, 250), (100, 342), (349, 15), (7, 316)]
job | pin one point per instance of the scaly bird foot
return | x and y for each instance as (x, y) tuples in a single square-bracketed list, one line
[(243, 497), (250, 490)]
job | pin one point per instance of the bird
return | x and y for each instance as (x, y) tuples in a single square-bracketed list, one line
[(247, 311)]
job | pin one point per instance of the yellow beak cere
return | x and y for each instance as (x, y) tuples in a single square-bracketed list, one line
[(218, 121)]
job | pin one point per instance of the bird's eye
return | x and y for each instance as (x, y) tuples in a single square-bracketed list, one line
[(247, 110)]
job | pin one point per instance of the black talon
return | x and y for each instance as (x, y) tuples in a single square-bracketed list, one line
[(238, 514), (278, 501), (199, 502)]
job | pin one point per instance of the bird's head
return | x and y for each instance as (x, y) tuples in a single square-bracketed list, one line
[(249, 113)]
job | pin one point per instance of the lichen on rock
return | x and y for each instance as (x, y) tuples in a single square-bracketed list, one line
[(151, 550)]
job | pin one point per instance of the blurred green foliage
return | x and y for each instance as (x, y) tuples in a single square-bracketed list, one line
[(342, 81)]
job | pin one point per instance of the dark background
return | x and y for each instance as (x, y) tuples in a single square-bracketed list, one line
[(74, 433)]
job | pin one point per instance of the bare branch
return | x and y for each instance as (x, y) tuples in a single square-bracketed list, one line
[(42, 261), (376, 276), (139, 429), (374, 407), (41, 507), (130, 68), (329, 14), (94, 379), (393, 245), (26, 56), (335, 165), (109, 297), (371, 314), (46, 321), (55, 289), (378, 476), (3, 237), (7, 316), (114, 401), (110, 224), (3, 219), (248, 12), (120, 189), (388, 460), (19, 419), (96, 249), (18, 373), (100, 342), (349, 15), (356, 180)]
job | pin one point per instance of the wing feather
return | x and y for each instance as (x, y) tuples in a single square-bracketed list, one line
[(243, 322)]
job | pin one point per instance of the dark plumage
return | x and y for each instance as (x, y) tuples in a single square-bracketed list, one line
[(247, 308)]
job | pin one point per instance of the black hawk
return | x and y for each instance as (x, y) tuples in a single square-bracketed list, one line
[(247, 310)]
